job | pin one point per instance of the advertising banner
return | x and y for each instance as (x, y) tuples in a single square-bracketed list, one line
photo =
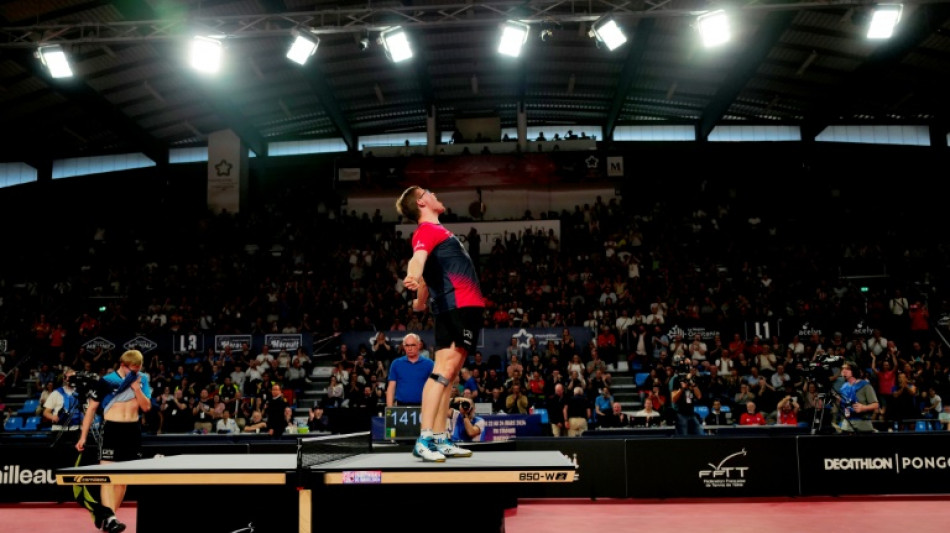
[(711, 467), (891, 463)]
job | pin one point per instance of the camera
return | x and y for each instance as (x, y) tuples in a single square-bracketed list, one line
[(83, 381), (461, 404), (680, 379)]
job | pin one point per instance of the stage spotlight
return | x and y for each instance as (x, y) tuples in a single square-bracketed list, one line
[(206, 54), (513, 36), (545, 35), (364, 44), (883, 20), (714, 28), (396, 43), (304, 46), (54, 58), (608, 32)]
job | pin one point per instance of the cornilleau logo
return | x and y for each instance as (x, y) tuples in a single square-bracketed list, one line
[(722, 476), (18, 475), (248, 529)]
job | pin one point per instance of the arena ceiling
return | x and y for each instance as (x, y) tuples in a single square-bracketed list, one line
[(789, 63)]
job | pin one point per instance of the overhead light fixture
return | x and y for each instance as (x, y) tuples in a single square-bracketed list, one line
[(206, 54), (396, 43), (608, 32), (304, 46), (54, 58), (883, 20), (714, 28), (546, 34), (513, 36)]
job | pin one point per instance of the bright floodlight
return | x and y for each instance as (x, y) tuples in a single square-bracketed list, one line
[(883, 21), (609, 33), (55, 60), (303, 47), (396, 43), (513, 37), (206, 54), (714, 28)]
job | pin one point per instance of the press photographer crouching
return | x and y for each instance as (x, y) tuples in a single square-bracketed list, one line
[(463, 424), (684, 395)]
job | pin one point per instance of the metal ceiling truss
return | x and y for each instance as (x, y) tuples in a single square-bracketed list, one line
[(371, 19)]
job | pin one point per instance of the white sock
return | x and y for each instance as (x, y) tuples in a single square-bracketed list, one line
[(426, 434), (439, 437)]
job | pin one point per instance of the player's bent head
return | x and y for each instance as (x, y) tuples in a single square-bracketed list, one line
[(132, 358)]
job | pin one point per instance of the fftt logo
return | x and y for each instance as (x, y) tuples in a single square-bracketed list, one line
[(725, 472)]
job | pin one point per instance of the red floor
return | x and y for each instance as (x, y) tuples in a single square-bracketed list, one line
[(880, 514), (792, 515)]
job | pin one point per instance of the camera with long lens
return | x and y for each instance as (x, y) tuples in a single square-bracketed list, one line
[(819, 369), (461, 404), (83, 381)]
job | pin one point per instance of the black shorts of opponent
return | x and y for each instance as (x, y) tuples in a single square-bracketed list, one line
[(121, 441)]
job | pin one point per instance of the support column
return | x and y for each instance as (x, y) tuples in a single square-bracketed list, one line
[(432, 132), (522, 128)]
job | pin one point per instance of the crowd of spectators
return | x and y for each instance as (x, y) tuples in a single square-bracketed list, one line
[(625, 268)]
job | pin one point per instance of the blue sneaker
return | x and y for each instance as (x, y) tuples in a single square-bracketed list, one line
[(425, 449), (448, 448)]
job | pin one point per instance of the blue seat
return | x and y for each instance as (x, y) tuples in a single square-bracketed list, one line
[(726, 409), (922, 425), (32, 423), (29, 407), (641, 378), (702, 411), (14, 423)]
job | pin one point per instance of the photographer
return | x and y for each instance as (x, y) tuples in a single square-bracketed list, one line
[(464, 424), (62, 407), (684, 395), (858, 401), (787, 411), (317, 420)]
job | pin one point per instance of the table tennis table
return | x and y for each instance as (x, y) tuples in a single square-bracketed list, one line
[(260, 493)]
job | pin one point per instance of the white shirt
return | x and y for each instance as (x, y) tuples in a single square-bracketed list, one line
[(623, 323), (55, 402), (229, 425)]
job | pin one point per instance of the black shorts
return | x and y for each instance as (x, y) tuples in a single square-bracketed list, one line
[(121, 441), (460, 326)]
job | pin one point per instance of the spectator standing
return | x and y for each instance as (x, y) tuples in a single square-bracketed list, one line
[(408, 374), (576, 413)]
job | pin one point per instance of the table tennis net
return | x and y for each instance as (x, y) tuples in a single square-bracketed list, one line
[(315, 451)]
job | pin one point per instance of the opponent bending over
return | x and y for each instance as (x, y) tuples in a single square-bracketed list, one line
[(122, 393)]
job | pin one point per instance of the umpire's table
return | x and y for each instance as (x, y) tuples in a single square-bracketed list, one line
[(315, 491)]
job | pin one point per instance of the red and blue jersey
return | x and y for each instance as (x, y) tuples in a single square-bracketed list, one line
[(449, 271)]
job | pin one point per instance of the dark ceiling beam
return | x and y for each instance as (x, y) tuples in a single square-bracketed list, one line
[(218, 98), (318, 82), (631, 67), (317, 79), (78, 93), (420, 63), (754, 52), (914, 29)]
